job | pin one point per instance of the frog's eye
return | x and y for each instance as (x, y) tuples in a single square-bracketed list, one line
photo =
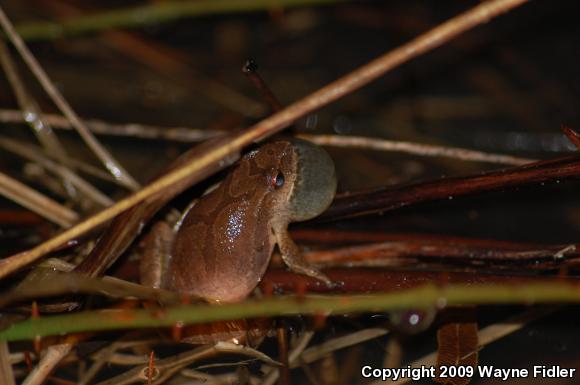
[(278, 180)]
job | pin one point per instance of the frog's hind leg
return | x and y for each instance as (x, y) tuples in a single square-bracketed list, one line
[(156, 248), (293, 258)]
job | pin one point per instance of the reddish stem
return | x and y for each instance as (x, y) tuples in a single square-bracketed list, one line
[(387, 199), (364, 280)]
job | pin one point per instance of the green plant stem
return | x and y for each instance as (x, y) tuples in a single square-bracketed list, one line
[(425, 297), (155, 12)]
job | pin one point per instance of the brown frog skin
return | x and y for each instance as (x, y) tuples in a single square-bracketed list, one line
[(220, 248)]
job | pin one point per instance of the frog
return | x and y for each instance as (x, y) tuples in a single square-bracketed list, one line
[(221, 245)]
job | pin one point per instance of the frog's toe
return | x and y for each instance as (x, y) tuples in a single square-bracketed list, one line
[(326, 280), (333, 284), (315, 273)]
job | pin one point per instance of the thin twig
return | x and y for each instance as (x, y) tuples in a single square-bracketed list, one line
[(374, 254), (415, 149), (192, 135), (35, 154), (105, 157), (201, 378), (272, 375), (6, 373), (133, 130), (95, 171), (391, 198), (124, 359), (215, 158), (32, 114), (99, 127), (386, 280), (56, 283), (317, 352), (167, 367), (54, 354), (93, 370), (250, 69), (30, 111), (572, 136), (36, 202), (104, 357), (284, 370)]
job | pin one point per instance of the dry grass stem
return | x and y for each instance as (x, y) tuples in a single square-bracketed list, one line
[(126, 359), (105, 157), (133, 130), (6, 373), (109, 355), (52, 273), (272, 375), (30, 111), (167, 367), (192, 135), (317, 352), (209, 379), (415, 149), (54, 354), (102, 359), (96, 172), (36, 202), (35, 154)]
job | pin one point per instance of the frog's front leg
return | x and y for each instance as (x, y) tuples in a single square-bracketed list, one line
[(292, 256)]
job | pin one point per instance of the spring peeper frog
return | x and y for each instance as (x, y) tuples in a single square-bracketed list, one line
[(221, 246)]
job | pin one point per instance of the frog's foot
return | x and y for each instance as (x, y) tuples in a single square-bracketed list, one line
[(293, 258)]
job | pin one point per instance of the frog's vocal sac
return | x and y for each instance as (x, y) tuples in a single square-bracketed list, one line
[(220, 249)]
